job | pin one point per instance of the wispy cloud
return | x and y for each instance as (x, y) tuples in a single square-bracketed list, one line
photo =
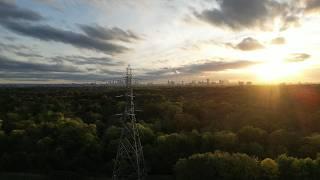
[(10, 65), (199, 68), (57, 76), (278, 41), (84, 60), (114, 33), (312, 5), (21, 21), (32, 71), (12, 47), (298, 57), (250, 14), (49, 33), (11, 11), (240, 14)]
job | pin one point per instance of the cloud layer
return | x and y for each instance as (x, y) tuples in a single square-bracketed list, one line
[(109, 33), (312, 5), (11, 11), (199, 68), (57, 69), (278, 41), (298, 57), (94, 39), (83, 60), (49, 33), (256, 14), (21, 21), (241, 14), (10, 65)]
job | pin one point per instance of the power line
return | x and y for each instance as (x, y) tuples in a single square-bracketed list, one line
[(129, 162)]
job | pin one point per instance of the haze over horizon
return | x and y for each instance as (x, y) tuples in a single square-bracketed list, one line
[(65, 41)]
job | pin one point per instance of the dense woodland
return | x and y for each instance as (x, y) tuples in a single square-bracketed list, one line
[(249, 132)]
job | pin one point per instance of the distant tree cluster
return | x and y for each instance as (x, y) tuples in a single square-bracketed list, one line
[(226, 166), (254, 132)]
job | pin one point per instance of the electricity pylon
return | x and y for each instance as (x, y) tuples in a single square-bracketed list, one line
[(129, 162)]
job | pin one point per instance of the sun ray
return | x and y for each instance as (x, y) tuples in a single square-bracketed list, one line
[(274, 72)]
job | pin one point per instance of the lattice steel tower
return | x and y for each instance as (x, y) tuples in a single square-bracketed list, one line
[(129, 162)]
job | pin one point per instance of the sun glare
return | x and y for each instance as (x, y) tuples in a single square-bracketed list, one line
[(276, 71)]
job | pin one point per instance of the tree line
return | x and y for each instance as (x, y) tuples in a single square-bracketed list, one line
[(227, 166), (257, 132)]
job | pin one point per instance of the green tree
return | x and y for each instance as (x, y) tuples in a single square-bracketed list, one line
[(250, 134), (225, 140), (269, 168), (186, 122), (218, 165)]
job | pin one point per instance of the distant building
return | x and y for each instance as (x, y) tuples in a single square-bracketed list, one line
[(249, 83), (171, 83), (223, 82), (114, 83)]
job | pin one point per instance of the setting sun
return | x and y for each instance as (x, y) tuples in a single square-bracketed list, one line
[(276, 71)]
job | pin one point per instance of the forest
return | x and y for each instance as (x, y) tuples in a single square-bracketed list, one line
[(188, 133)]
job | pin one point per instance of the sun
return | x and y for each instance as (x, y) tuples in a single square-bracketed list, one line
[(274, 72)]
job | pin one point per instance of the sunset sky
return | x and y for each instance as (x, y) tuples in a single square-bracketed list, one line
[(63, 41)]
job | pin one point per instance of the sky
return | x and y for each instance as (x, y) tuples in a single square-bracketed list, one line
[(81, 41)]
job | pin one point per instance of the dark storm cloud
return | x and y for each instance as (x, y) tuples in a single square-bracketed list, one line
[(249, 44), (11, 11), (298, 57), (49, 33), (83, 60), (109, 33), (278, 41), (9, 65), (194, 69)]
